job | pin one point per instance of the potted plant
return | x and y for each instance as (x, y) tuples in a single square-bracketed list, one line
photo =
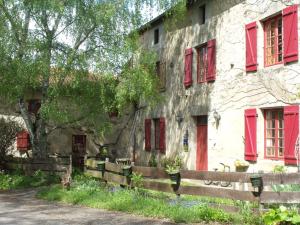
[(127, 170), (172, 167), (101, 166), (241, 166), (103, 153), (173, 172)]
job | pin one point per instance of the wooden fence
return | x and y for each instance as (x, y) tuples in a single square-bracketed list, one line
[(241, 188), (51, 165)]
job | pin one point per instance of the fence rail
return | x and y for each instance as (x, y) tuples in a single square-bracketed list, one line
[(53, 165), (241, 184)]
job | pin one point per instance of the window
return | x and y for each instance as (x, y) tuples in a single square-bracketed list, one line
[(273, 41), (156, 36), (202, 63), (274, 133), (34, 105), (159, 134), (202, 14), (160, 70)]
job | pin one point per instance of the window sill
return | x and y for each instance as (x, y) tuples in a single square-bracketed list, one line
[(273, 158)]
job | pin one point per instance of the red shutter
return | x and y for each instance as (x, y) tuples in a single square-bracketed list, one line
[(291, 131), (148, 134), (290, 33), (188, 68), (251, 47), (250, 135), (162, 138), (23, 141), (211, 60)]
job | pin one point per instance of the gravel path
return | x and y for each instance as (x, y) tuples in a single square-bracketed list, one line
[(22, 208)]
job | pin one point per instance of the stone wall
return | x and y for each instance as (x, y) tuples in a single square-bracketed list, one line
[(233, 91)]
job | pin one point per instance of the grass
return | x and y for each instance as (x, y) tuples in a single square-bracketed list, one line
[(90, 192), (17, 180)]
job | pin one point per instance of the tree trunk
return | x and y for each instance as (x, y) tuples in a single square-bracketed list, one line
[(37, 132)]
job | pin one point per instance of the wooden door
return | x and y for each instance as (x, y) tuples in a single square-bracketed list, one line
[(202, 158), (78, 150)]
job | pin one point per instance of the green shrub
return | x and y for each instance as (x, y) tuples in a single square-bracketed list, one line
[(17, 180), (281, 216)]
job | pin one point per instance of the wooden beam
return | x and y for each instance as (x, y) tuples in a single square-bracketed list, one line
[(280, 197), (158, 186), (94, 173), (112, 167), (150, 172), (115, 178), (217, 192)]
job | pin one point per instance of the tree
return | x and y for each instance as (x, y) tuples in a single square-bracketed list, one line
[(69, 51)]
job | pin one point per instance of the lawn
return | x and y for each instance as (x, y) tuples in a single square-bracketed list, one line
[(88, 191)]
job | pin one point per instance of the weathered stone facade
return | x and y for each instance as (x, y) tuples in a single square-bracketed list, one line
[(233, 91)]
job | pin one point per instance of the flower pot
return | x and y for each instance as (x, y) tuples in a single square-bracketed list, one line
[(127, 171), (241, 168), (101, 166), (174, 176), (256, 181)]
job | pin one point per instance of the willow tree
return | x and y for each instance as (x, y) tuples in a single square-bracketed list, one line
[(70, 51)]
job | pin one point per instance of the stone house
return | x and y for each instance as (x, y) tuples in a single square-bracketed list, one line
[(230, 82)]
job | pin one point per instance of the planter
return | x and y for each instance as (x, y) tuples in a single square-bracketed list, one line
[(101, 166), (127, 171), (174, 177), (241, 168), (256, 181)]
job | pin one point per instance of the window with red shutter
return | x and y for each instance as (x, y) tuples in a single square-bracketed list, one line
[(188, 68), (281, 37), (251, 47), (147, 134), (250, 135), (290, 33), (291, 132), (211, 60)]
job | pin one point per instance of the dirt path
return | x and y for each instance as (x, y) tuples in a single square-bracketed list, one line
[(22, 208)]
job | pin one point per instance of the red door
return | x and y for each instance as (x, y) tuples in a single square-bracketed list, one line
[(201, 160)]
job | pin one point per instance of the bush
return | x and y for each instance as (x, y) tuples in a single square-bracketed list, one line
[(8, 132), (281, 216), (17, 180)]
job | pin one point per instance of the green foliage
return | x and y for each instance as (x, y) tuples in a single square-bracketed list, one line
[(70, 53), (286, 187), (172, 164), (279, 169), (137, 82), (153, 161), (176, 15), (137, 180), (17, 180), (281, 216)]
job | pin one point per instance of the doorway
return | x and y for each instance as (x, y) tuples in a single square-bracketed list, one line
[(78, 150), (202, 156)]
